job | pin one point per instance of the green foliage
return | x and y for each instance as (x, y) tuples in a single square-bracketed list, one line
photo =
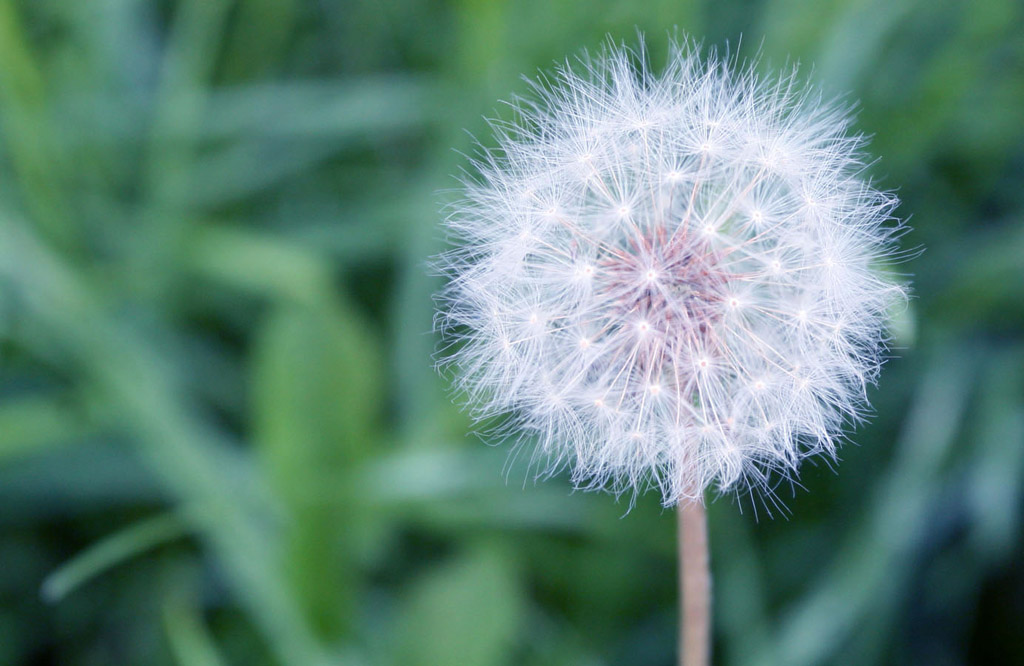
[(317, 399), (111, 551), (466, 611), (222, 438)]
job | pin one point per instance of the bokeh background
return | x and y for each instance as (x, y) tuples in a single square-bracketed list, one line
[(222, 440)]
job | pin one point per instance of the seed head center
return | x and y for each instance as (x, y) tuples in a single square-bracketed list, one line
[(669, 292)]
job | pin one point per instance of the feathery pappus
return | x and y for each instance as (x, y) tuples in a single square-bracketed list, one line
[(669, 279)]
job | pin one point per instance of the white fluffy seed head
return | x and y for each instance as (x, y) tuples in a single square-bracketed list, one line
[(669, 280)]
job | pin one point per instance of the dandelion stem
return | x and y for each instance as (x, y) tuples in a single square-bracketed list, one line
[(694, 585)]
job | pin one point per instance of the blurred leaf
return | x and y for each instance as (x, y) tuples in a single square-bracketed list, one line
[(269, 118), (988, 280), (251, 167), (62, 483), (944, 80), (317, 399), (864, 581), (30, 424), (317, 388), (258, 36), (186, 72), (793, 28), (996, 482), (851, 44), (35, 158), (331, 115), (180, 446), (259, 263), (353, 111), (371, 232), (740, 604), (111, 551), (467, 611), (412, 310), (189, 638)]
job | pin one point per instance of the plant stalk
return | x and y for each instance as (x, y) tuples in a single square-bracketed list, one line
[(694, 585)]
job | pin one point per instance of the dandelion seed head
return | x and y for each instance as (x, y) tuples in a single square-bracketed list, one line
[(669, 280)]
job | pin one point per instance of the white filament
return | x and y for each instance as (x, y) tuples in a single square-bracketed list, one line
[(667, 280)]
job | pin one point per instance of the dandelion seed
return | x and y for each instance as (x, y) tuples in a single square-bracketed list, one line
[(709, 239)]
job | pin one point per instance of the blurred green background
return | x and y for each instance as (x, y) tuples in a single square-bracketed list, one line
[(221, 437)]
